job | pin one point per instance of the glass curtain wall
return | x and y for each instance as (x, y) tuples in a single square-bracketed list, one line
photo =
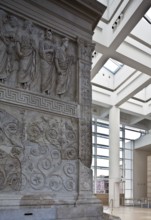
[(100, 160)]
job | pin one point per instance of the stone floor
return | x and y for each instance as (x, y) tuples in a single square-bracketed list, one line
[(130, 213)]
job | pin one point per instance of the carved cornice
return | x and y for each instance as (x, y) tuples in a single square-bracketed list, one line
[(78, 17), (91, 10)]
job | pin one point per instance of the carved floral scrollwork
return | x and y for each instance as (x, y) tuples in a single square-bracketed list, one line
[(11, 165), (14, 180), (32, 161), (50, 163), (42, 149), (2, 180), (3, 154), (35, 152), (85, 82), (34, 132), (71, 136), (51, 134), (69, 184), (55, 154), (45, 164), (37, 181), (23, 181), (55, 183), (16, 152), (69, 169), (10, 173), (85, 149), (86, 144), (11, 149), (11, 128), (70, 153), (1, 136)]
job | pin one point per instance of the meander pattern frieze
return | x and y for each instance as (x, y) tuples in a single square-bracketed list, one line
[(26, 99)]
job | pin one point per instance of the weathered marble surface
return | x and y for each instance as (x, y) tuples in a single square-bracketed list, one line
[(38, 152), (63, 212), (36, 59), (45, 110)]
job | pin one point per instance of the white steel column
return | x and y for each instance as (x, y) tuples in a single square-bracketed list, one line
[(114, 170)]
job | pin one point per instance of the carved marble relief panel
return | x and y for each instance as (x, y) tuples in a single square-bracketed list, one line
[(85, 123), (37, 152), (36, 59), (43, 71), (85, 50)]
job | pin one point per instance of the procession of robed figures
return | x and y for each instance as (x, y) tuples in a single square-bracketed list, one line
[(31, 59)]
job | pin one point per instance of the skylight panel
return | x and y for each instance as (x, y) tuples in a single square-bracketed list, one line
[(112, 65), (148, 16)]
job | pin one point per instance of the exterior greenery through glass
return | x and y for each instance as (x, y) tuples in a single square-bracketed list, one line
[(100, 160)]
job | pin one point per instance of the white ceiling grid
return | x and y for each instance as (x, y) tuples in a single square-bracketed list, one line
[(121, 70)]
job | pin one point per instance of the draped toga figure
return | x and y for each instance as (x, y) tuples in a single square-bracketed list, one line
[(63, 65), (46, 51), (3, 48), (27, 56)]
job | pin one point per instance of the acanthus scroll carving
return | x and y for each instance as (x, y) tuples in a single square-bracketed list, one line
[(85, 143), (85, 122), (37, 153), (36, 59), (11, 150)]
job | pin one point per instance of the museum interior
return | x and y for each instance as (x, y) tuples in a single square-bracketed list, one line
[(75, 109), (120, 79)]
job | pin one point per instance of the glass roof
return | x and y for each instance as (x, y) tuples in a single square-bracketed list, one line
[(113, 65), (112, 6), (123, 84), (148, 15)]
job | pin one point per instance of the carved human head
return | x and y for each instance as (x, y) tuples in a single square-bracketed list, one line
[(65, 42), (28, 25), (13, 21), (48, 34)]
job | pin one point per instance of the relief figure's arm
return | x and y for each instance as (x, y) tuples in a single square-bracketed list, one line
[(18, 49)]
